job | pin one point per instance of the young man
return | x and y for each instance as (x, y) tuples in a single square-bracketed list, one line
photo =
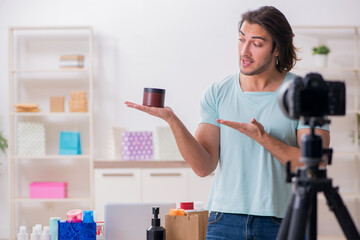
[(244, 135)]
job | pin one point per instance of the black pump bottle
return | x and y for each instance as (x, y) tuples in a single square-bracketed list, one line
[(155, 231)]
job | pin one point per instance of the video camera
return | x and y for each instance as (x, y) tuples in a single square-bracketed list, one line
[(311, 96)]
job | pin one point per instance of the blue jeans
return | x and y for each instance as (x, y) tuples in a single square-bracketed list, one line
[(227, 226)]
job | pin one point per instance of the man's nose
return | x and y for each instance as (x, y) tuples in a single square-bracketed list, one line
[(245, 49)]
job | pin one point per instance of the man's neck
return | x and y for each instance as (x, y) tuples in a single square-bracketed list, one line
[(264, 82)]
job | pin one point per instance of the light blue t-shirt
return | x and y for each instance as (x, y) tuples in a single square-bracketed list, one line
[(248, 179)]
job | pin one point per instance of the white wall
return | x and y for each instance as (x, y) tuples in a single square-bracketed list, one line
[(181, 46)]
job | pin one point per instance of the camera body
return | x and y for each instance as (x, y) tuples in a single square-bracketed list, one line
[(312, 96)]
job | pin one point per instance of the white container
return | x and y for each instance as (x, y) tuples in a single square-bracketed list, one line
[(23, 235), (320, 60), (45, 234), (35, 235)]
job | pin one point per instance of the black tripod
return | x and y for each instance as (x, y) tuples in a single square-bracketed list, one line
[(301, 213)]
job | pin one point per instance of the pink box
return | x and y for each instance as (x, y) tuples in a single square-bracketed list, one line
[(48, 190)]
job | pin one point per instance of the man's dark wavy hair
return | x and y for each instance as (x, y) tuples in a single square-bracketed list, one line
[(276, 24)]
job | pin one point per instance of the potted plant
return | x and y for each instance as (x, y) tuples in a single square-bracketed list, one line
[(3, 143), (320, 52)]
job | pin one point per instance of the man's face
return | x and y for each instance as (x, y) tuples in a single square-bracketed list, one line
[(255, 50)]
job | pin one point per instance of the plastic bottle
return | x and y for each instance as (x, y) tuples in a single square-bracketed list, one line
[(88, 216), (45, 234), (39, 228), (53, 227), (35, 235), (100, 231), (155, 231), (23, 235)]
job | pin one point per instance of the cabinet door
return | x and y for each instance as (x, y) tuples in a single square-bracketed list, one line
[(164, 185), (199, 188), (116, 185)]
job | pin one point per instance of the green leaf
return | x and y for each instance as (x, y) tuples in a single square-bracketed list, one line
[(322, 49), (3, 143)]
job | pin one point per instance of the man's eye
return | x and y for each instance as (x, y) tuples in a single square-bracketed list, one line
[(257, 45), (241, 40)]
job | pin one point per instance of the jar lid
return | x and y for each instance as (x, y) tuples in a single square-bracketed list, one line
[(154, 90), (187, 205)]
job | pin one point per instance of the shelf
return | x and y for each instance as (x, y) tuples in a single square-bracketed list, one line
[(331, 237), (49, 70), (352, 111), (344, 196), (63, 200), (34, 75), (140, 164), (53, 157), (31, 114), (324, 27), (344, 153), (52, 28), (327, 69)]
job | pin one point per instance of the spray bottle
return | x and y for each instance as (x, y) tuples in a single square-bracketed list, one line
[(155, 231)]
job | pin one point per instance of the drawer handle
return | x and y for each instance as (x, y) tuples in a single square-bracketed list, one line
[(165, 174), (118, 174)]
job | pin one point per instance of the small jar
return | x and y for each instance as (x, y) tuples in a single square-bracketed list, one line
[(154, 97)]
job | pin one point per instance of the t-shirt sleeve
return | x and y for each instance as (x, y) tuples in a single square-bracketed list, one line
[(208, 106), (301, 126)]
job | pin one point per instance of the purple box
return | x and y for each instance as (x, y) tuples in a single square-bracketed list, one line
[(137, 146)]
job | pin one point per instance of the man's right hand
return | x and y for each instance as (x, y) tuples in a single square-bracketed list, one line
[(165, 113)]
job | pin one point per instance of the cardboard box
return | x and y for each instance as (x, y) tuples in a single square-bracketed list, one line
[(57, 104)]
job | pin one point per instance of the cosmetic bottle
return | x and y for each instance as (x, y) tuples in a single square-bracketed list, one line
[(35, 235), (88, 216), (38, 228), (155, 231), (23, 235), (45, 234), (53, 227)]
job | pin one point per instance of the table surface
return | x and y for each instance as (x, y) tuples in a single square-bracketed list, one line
[(140, 164)]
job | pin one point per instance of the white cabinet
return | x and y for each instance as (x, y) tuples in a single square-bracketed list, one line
[(116, 185), (166, 185), (35, 77), (149, 185)]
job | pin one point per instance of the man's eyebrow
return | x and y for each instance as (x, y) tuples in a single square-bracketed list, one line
[(254, 37)]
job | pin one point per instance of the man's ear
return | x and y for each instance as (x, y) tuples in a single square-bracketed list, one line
[(276, 51)]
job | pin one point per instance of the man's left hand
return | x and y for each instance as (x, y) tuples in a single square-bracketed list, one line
[(254, 129)]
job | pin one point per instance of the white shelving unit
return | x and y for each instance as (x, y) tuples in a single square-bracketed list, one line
[(343, 65), (34, 76)]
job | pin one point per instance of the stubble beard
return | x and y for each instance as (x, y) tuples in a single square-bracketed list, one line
[(258, 70)]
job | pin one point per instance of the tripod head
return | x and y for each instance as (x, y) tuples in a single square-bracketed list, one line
[(312, 149)]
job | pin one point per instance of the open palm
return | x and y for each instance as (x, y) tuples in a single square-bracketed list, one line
[(164, 113), (254, 129)]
